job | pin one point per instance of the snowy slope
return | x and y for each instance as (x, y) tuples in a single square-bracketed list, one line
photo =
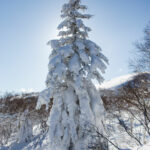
[(121, 80), (117, 82)]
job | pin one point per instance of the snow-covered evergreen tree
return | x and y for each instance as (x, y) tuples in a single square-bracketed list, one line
[(73, 63), (25, 132)]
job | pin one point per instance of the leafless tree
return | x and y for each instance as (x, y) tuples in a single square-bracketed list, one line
[(134, 100), (97, 140), (141, 61)]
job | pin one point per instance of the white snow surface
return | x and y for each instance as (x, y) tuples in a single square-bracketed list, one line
[(117, 82), (145, 147)]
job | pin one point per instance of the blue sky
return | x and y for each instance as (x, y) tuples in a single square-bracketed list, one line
[(27, 25)]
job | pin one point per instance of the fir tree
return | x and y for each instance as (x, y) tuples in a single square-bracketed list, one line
[(73, 63)]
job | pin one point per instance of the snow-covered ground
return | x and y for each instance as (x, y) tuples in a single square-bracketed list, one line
[(122, 138), (145, 147)]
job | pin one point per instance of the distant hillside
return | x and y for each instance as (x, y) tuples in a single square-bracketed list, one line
[(114, 91), (18, 103), (122, 80)]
